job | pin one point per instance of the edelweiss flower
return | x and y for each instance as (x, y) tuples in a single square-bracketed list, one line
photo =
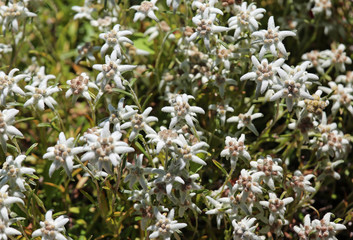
[(347, 79), (333, 142), (137, 172), (234, 149), (341, 96), (339, 57), (103, 150), (272, 39), (330, 169), (154, 31), (140, 122), (221, 111), (8, 84), (218, 210), (143, 206), (324, 127), (326, 229), (276, 206), (245, 120), (114, 39), (165, 226), (145, 10), (41, 95), (301, 183), (244, 229), (188, 153), (221, 80), (83, 12), (181, 110), (104, 23), (6, 201), (173, 3), (79, 87), (62, 154), (111, 70), (5, 48), (167, 180), (50, 229), (317, 60), (7, 118), (41, 78), (11, 13), (85, 50), (185, 203), (263, 73), (304, 232), (322, 6), (164, 138), (6, 231), (119, 114), (246, 19), (205, 28), (12, 173), (272, 171), (292, 85), (206, 8), (248, 182)]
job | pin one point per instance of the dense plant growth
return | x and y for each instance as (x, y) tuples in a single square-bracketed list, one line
[(198, 119)]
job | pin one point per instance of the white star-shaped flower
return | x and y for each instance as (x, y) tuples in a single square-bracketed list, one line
[(165, 225), (7, 118), (245, 120), (111, 70), (146, 9), (51, 229), (8, 84), (264, 74), (272, 38), (182, 111), (62, 154), (140, 122), (114, 39)]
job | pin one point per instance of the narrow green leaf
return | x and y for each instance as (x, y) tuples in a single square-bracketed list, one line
[(122, 91), (44, 125), (40, 202), (31, 148), (24, 119), (89, 197), (220, 167)]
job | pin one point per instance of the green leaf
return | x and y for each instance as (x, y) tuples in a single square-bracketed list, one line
[(89, 197), (25, 119), (31, 148), (143, 44), (122, 91), (39, 202), (219, 166), (44, 125), (74, 210), (142, 149)]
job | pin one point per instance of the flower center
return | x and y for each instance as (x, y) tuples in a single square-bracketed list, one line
[(145, 6)]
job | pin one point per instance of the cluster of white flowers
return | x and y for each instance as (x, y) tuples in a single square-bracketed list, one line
[(12, 13), (161, 165), (13, 185), (318, 229)]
